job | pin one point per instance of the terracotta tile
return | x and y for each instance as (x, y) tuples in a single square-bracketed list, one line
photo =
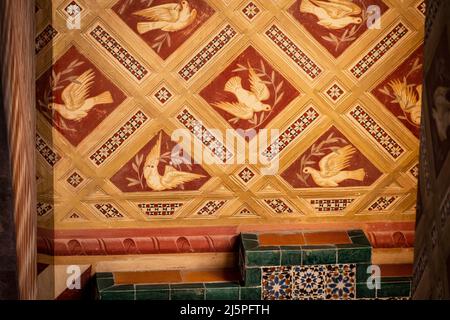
[(396, 270), (292, 239), (219, 275), (334, 237), (280, 239), (268, 239), (147, 277)]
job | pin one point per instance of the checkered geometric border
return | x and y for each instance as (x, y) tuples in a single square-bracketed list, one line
[(207, 53), (282, 41), (379, 50), (118, 139), (331, 205), (119, 53), (377, 132), (291, 133)]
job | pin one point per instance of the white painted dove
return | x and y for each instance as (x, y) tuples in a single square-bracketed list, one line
[(76, 99), (409, 99), (332, 168), (171, 179), (249, 101), (168, 17), (333, 14)]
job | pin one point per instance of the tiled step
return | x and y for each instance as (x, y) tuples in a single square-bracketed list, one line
[(177, 276), (294, 265)]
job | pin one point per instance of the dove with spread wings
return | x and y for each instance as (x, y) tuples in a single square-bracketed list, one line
[(333, 14), (75, 96), (409, 99), (332, 168), (171, 179), (249, 101), (168, 17)]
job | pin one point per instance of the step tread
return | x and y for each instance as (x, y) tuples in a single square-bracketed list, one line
[(176, 276)]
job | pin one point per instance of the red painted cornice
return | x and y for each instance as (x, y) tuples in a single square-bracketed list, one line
[(198, 239)]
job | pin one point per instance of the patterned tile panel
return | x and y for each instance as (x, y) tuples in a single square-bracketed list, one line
[(330, 205), (43, 209), (108, 210), (204, 135), (163, 95), (291, 133), (300, 58), (118, 138), (414, 171), (279, 206), (315, 282), (383, 203), (340, 282), (379, 50), (45, 37), (75, 180), (159, 209), (276, 283), (73, 216), (309, 282), (245, 212), (246, 175), (207, 53), (211, 207), (251, 10), (72, 8), (50, 156), (422, 8), (335, 92), (377, 132), (119, 53)]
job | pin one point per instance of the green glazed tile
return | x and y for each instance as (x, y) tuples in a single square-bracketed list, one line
[(362, 291), (220, 285), (127, 287), (117, 295), (394, 289), (263, 258), (288, 248), (251, 293), (157, 294), (250, 244), (354, 255), (187, 286), (230, 293), (395, 279), (188, 294), (291, 257), (105, 283), (250, 236), (150, 287), (102, 275), (269, 248), (361, 240), (361, 272), (318, 256), (355, 233), (252, 277)]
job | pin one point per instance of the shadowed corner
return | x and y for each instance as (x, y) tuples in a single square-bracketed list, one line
[(8, 272), (46, 275)]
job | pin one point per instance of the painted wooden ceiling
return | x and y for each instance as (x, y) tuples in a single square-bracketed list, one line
[(111, 94)]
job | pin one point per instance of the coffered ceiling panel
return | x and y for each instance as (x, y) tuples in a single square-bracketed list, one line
[(127, 100)]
